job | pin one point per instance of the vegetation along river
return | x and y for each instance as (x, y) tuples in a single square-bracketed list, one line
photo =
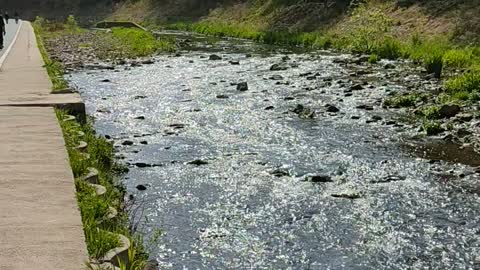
[(302, 170)]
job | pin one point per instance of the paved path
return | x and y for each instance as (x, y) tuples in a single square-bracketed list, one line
[(40, 225), (11, 29)]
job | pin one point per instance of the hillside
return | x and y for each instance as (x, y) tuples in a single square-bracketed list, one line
[(456, 18)]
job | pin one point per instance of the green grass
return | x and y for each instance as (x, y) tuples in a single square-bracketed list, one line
[(139, 43), (432, 127), (431, 112), (403, 100), (101, 233), (468, 82)]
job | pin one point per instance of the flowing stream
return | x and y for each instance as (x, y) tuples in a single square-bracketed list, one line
[(237, 180)]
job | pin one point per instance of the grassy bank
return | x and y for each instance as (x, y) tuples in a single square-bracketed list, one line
[(101, 232), (369, 29), (67, 40)]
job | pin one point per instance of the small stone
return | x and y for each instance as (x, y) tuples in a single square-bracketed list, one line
[(197, 162), (389, 66), (215, 57), (140, 117), (331, 108), (319, 178), (144, 142), (356, 87), (276, 77), (269, 108), (234, 62), (221, 96), (449, 110), (127, 142), (105, 80), (280, 172), (243, 86), (141, 187), (142, 165), (277, 67)]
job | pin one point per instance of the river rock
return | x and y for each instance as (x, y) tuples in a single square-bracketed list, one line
[(221, 96), (356, 87), (105, 80), (198, 162), (388, 179), (144, 142), (277, 67), (269, 108), (464, 117), (347, 195), (147, 62), (242, 86), (214, 57), (234, 62), (280, 172), (141, 117), (304, 112), (140, 97), (142, 165), (449, 110), (276, 77), (331, 108), (127, 142), (141, 187), (389, 66), (318, 178)]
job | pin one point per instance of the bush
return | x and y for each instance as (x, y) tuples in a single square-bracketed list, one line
[(402, 101), (468, 82), (389, 48), (373, 59), (432, 127), (458, 58), (137, 42), (431, 112)]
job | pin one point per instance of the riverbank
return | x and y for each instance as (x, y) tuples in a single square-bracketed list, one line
[(110, 236), (67, 47)]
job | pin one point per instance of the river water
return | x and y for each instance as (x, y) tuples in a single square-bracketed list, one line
[(247, 202)]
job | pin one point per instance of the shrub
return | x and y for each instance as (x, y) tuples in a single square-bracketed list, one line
[(402, 101), (467, 82), (432, 127), (389, 48), (431, 112), (373, 59), (458, 58)]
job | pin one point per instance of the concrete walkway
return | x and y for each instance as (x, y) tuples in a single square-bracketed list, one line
[(40, 225)]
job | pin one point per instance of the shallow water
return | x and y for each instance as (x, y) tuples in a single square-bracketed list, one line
[(232, 213)]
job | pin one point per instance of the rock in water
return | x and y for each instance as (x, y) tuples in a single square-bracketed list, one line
[(319, 178), (141, 187), (276, 67), (127, 142), (331, 108), (449, 110), (215, 57), (243, 86), (198, 162)]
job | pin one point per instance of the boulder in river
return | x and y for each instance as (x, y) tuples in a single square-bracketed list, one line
[(356, 87), (331, 108), (242, 86), (449, 110), (303, 112), (127, 142), (141, 187), (214, 57), (105, 80), (280, 172), (234, 62), (321, 178), (277, 67), (198, 162), (141, 117), (276, 77)]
